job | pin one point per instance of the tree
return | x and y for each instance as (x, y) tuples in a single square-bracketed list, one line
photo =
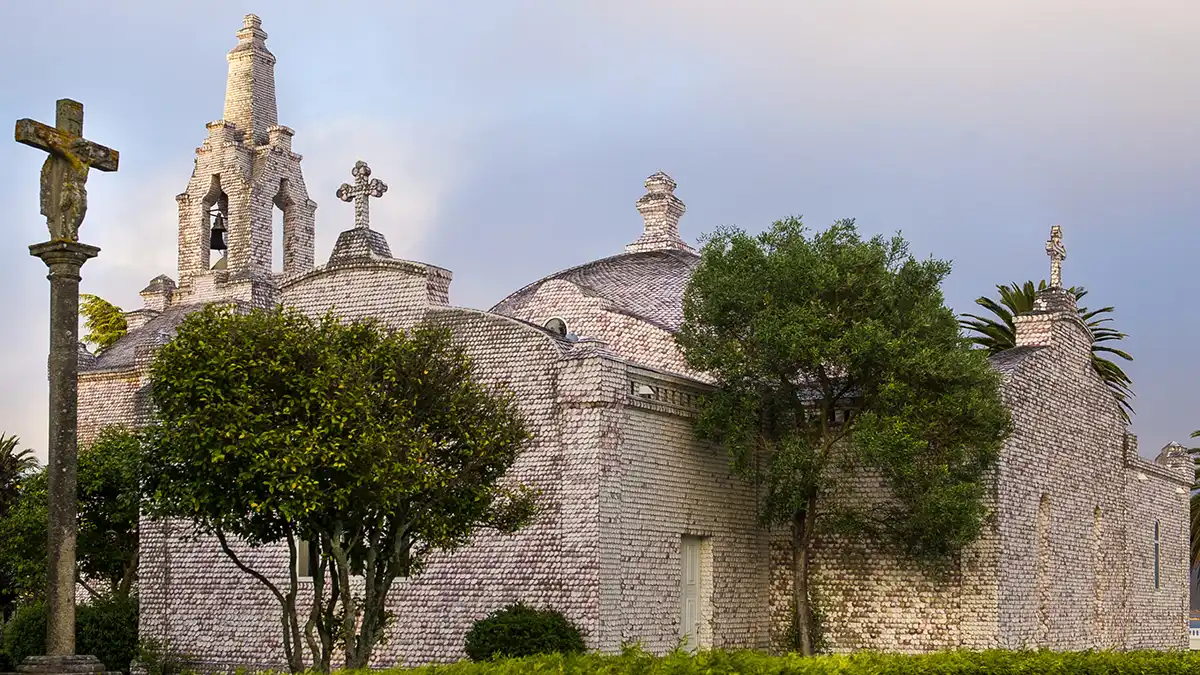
[(998, 334), (107, 541), (15, 465), (798, 330), (104, 321), (375, 446)]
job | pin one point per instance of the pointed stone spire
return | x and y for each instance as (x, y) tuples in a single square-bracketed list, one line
[(250, 90), (661, 211)]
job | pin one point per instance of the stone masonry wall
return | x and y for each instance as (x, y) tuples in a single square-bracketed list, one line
[(670, 485), (1157, 617), (1070, 572)]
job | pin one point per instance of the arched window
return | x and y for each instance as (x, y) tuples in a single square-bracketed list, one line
[(1156, 555)]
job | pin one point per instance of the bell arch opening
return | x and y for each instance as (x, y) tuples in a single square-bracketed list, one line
[(282, 213), (214, 234)]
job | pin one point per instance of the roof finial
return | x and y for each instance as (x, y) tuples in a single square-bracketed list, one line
[(661, 211), (1057, 253), (362, 190)]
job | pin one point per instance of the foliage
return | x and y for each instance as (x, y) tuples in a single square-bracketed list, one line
[(158, 657), (520, 630), (104, 321), (377, 446), (998, 335), (15, 467), (995, 662), (798, 329), (106, 629), (108, 479)]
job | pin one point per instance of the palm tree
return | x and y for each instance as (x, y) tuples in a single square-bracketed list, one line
[(998, 334), (13, 465)]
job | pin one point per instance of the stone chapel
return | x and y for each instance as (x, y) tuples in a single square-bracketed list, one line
[(645, 536)]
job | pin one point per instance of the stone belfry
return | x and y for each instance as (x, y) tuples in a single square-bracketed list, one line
[(243, 172)]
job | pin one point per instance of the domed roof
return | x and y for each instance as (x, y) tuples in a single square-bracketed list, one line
[(647, 280), (647, 285)]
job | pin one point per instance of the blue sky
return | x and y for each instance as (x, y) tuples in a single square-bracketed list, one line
[(514, 137)]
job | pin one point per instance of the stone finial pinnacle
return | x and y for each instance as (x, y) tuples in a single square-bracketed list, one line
[(251, 21), (661, 211), (1057, 253)]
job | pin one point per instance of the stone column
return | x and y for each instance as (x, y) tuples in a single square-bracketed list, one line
[(64, 260)]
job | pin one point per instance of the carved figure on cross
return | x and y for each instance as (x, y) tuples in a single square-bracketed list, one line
[(362, 190), (1057, 253), (65, 171)]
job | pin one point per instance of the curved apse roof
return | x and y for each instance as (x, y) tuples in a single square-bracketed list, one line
[(647, 280), (648, 285)]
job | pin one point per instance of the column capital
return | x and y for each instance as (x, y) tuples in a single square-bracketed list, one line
[(64, 256)]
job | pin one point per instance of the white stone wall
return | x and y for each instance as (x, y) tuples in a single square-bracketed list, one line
[(666, 484)]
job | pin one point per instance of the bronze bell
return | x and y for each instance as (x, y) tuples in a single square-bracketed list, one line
[(216, 240)]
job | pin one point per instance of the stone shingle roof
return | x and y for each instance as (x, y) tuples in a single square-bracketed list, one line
[(1009, 360), (647, 285), (122, 354)]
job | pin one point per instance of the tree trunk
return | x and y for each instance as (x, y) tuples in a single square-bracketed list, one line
[(802, 526)]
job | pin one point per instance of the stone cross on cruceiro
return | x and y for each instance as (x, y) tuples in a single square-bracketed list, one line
[(1057, 253), (363, 189), (64, 199), (64, 204)]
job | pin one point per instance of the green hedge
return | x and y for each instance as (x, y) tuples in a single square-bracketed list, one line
[(106, 630), (747, 663)]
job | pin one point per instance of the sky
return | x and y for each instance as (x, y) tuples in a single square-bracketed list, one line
[(514, 137)]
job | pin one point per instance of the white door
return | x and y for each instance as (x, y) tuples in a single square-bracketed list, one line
[(690, 591)]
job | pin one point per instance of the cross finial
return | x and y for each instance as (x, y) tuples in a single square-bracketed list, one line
[(362, 190), (1057, 253)]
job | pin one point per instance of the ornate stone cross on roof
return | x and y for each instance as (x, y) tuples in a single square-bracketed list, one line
[(64, 199), (1057, 253), (362, 190)]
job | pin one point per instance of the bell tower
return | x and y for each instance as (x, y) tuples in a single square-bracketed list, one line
[(244, 171)]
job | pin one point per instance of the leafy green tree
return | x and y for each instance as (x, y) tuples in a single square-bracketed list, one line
[(105, 322), (15, 466), (797, 330), (375, 446), (999, 333), (107, 540)]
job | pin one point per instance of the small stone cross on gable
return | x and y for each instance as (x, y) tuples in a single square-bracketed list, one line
[(1057, 253), (362, 190), (64, 198)]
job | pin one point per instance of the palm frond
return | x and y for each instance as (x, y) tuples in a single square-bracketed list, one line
[(998, 333)]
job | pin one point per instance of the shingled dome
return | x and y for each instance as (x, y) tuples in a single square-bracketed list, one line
[(647, 285), (647, 281)]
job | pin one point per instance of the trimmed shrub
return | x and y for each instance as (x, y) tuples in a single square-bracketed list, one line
[(25, 633), (158, 657), (105, 629), (519, 630), (108, 631)]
